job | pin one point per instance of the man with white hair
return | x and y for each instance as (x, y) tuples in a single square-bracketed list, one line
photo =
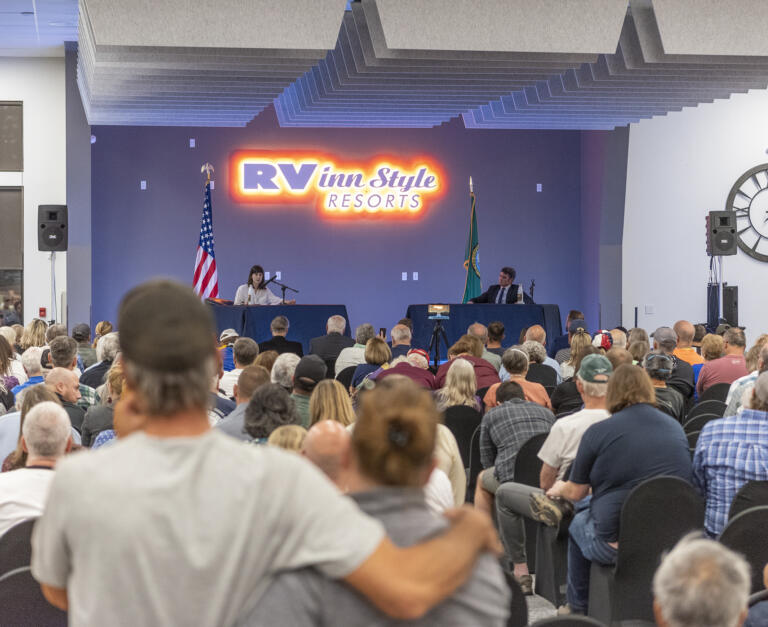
[(355, 355), (107, 349), (327, 347), (30, 360), (701, 583), (283, 369), (537, 333), (415, 366), (45, 436), (401, 340)]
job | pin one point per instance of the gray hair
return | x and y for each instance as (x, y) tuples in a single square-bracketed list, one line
[(515, 360), (593, 389), (63, 351), (700, 583), (283, 369), (336, 324), (55, 330), (400, 333), (30, 359), (9, 334), (536, 352), (279, 324), (46, 430), (418, 360), (363, 333), (245, 351), (478, 330), (108, 347), (165, 393)]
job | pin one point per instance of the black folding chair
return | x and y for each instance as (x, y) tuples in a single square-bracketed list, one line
[(16, 546), (655, 515), (345, 376), (747, 533), (527, 471), (707, 407), (718, 392), (518, 608), (751, 494), (693, 438), (464, 421), (697, 423), (568, 621)]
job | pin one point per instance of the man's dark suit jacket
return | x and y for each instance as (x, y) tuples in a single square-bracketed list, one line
[(328, 347), (281, 345), (489, 296)]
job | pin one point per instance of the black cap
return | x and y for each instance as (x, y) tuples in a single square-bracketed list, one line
[(81, 332), (310, 371), (164, 326)]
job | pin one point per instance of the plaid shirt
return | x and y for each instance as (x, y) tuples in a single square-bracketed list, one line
[(730, 452), (505, 429), (88, 397)]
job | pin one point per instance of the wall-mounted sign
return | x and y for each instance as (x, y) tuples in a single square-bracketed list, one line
[(383, 186)]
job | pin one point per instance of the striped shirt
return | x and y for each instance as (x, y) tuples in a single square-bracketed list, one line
[(736, 392), (730, 451), (505, 429)]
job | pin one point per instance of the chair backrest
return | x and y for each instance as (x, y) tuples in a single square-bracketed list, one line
[(345, 376), (462, 421), (697, 422), (330, 368), (747, 533), (541, 373), (22, 602), (655, 515), (518, 609), (718, 391), (16, 546), (693, 438), (474, 466), (712, 406), (568, 621), (527, 462), (751, 494), (758, 597)]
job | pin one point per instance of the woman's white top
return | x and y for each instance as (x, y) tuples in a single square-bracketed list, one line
[(246, 295)]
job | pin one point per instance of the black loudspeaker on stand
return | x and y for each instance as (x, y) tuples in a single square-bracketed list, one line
[(721, 233), (731, 304), (52, 227)]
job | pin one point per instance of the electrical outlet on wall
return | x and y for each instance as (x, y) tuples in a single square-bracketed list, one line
[(650, 310), (405, 276)]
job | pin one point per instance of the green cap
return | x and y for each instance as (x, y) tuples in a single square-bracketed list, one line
[(595, 369)]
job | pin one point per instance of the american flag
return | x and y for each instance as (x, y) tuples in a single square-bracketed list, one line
[(206, 280)]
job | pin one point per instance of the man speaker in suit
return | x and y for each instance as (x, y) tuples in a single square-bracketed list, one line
[(505, 292)]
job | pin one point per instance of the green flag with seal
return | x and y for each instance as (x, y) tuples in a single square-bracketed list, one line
[(472, 285)]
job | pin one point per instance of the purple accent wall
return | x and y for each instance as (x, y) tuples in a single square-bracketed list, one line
[(140, 234)]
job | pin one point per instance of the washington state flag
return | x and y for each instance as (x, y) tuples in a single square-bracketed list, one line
[(472, 285)]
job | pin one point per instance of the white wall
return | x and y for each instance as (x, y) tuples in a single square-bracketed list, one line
[(680, 167), (39, 84)]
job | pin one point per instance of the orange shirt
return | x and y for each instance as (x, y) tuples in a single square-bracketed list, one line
[(534, 392), (688, 354)]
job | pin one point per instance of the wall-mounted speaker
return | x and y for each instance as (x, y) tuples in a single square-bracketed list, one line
[(52, 227), (731, 304), (721, 233)]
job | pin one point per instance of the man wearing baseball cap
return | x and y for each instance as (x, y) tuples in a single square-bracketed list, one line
[(514, 500), (182, 524), (729, 452), (309, 372)]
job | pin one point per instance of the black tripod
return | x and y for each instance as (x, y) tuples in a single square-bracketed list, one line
[(438, 334)]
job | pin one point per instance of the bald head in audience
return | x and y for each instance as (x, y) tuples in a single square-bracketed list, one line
[(327, 447), (685, 332), (65, 383)]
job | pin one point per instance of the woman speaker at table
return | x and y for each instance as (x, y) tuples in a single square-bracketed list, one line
[(256, 292)]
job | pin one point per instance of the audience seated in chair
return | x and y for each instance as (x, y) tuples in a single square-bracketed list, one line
[(401, 335), (514, 500), (355, 355), (228, 516), (470, 348), (730, 366), (244, 353), (459, 388), (515, 360), (701, 583), (538, 371), (480, 331), (279, 329), (309, 372), (637, 442), (659, 368), (741, 387), (107, 350), (328, 346), (682, 378), (503, 431), (389, 464), (251, 379), (415, 367), (46, 437), (729, 452), (330, 401)]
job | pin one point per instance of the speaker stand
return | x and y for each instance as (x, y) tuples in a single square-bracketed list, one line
[(53, 286)]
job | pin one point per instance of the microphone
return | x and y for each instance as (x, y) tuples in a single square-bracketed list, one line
[(268, 281)]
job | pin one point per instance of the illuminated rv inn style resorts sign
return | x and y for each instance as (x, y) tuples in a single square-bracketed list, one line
[(383, 186)]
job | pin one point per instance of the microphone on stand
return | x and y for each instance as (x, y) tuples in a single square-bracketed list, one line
[(268, 281)]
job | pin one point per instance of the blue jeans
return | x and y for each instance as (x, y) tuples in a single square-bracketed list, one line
[(583, 549)]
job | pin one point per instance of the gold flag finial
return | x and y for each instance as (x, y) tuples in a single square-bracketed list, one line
[(207, 168)]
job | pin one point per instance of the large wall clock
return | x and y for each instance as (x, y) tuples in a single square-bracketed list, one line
[(749, 201)]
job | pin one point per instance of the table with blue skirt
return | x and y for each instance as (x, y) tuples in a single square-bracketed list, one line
[(306, 321), (514, 317)]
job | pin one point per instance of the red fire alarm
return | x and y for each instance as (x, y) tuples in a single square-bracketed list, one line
[(41, 313)]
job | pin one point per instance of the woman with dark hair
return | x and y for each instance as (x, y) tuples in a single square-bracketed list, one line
[(386, 470), (8, 380), (256, 292)]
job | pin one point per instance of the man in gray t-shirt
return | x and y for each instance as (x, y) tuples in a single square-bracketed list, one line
[(182, 525)]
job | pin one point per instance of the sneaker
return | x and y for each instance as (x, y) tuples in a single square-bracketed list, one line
[(526, 584), (550, 510)]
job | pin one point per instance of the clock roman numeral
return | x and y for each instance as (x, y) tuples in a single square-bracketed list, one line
[(741, 213), (757, 243), (753, 178), (740, 193), (744, 230)]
